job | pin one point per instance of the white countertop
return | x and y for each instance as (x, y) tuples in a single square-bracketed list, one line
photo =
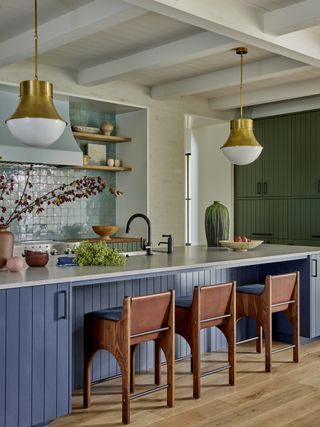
[(183, 258)]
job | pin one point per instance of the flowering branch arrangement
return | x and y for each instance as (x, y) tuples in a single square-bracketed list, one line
[(65, 193)]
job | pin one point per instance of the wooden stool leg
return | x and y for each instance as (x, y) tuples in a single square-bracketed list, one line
[(132, 368), (87, 380), (296, 332), (268, 342), (191, 364), (259, 340), (232, 356), (196, 370), (157, 363), (170, 377), (125, 372)]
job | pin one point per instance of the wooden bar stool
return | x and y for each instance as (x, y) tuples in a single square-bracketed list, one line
[(279, 293), (120, 329), (213, 305)]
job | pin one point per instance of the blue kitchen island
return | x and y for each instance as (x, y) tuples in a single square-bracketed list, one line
[(42, 310)]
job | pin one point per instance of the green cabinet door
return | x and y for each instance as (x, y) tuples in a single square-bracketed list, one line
[(276, 155), (248, 178), (304, 220), (306, 154), (262, 219)]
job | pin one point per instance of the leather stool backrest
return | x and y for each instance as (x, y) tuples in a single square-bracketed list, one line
[(215, 300), (151, 312), (282, 287)]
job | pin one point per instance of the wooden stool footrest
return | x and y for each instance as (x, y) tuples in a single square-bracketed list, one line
[(248, 340), (214, 371), (215, 318), (150, 332), (152, 390), (283, 303), (288, 347)]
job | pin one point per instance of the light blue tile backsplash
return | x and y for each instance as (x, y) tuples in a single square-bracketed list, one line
[(70, 220)]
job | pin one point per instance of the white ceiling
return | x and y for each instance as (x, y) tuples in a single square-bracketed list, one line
[(174, 47)]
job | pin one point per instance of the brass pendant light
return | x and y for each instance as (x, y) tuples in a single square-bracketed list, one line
[(36, 121), (241, 148)]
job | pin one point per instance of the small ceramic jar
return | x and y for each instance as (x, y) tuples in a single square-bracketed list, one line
[(106, 128), (117, 162), (110, 162)]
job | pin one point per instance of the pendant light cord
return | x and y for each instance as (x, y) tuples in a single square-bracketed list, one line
[(241, 85), (36, 39)]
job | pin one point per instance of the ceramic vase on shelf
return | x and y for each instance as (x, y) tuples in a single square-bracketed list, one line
[(216, 224), (6, 245)]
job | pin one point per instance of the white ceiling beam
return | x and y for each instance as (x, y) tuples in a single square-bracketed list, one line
[(264, 96), (84, 21), (192, 47), (292, 18), (255, 71), (238, 21)]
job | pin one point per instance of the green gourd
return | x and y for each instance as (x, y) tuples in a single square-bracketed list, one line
[(216, 224)]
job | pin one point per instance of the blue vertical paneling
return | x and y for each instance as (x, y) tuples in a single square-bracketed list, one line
[(12, 359), (77, 338), (3, 313), (38, 367), (96, 300), (112, 303), (62, 354), (25, 357), (50, 353), (104, 355)]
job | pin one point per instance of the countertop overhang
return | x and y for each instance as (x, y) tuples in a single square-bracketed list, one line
[(183, 259)]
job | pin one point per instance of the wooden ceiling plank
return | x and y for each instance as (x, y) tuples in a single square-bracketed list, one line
[(186, 49), (84, 21), (255, 71)]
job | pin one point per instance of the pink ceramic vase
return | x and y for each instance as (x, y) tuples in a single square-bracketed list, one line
[(6, 245)]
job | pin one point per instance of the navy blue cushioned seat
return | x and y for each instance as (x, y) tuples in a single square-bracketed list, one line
[(184, 302), (113, 313), (255, 289)]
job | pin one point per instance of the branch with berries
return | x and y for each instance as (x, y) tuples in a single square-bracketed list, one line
[(66, 193)]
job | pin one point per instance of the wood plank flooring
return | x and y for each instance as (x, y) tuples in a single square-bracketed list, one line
[(289, 396)]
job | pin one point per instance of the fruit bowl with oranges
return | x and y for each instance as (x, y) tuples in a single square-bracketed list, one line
[(240, 243)]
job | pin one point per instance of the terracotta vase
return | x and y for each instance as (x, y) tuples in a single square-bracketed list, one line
[(6, 245), (216, 224)]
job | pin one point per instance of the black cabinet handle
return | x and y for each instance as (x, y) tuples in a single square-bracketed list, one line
[(62, 305), (259, 188), (261, 234), (265, 188), (318, 185), (316, 236), (314, 268)]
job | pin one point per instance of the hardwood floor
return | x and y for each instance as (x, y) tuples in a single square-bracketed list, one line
[(289, 396)]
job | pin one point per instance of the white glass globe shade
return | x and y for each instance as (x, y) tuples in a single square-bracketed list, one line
[(35, 131), (242, 154)]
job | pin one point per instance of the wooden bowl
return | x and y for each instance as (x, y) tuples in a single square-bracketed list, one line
[(105, 231), (240, 246), (36, 258)]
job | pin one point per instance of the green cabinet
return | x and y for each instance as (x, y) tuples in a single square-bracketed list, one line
[(306, 154), (270, 174), (287, 174), (262, 219), (304, 220)]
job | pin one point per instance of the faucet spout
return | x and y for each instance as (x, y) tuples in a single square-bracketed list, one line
[(148, 245)]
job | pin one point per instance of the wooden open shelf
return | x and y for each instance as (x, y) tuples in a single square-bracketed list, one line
[(100, 138), (104, 168)]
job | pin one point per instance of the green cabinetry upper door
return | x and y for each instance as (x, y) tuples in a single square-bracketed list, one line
[(306, 154), (276, 154), (270, 174)]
